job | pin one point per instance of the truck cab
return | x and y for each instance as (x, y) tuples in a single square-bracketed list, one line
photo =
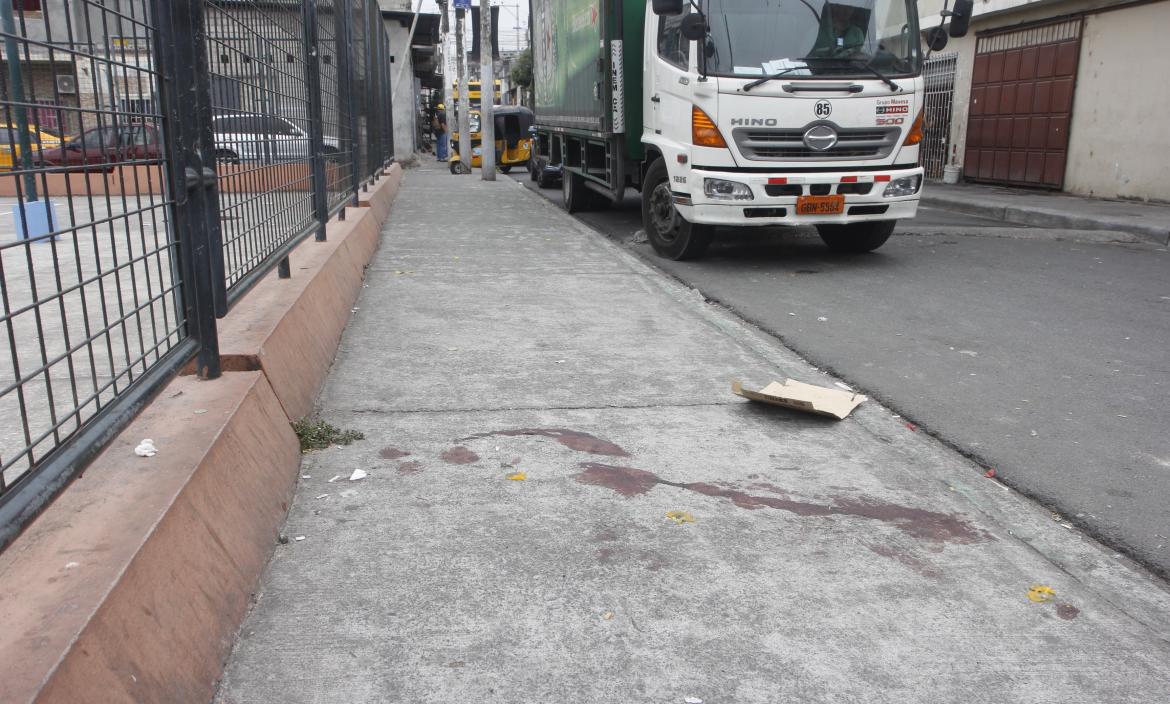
[(796, 112), (804, 112)]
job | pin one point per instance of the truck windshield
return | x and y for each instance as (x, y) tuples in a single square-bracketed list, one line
[(812, 38)]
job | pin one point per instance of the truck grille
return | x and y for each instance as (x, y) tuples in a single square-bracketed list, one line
[(788, 144)]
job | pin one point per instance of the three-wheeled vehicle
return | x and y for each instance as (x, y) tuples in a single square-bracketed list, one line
[(513, 140)]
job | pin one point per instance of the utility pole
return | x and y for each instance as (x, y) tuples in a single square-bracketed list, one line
[(487, 92), (464, 92), (445, 29)]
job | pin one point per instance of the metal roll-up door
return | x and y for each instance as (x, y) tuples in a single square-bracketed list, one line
[(1021, 105)]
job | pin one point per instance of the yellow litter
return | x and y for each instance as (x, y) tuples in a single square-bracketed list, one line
[(517, 476), (1040, 593), (680, 517)]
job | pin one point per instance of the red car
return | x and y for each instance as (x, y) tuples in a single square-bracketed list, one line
[(103, 148)]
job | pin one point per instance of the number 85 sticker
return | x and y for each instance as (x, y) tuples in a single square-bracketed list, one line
[(823, 108)]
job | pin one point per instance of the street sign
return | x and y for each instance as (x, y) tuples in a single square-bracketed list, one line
[(462, 4)]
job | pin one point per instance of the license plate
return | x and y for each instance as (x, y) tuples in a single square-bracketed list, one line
[(820, 205)]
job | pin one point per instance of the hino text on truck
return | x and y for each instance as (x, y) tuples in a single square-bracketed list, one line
[(736, 112)]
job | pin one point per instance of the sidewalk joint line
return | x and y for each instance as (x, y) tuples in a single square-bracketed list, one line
[(492, 409)]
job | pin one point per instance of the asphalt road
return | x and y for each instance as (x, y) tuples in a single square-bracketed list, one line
[(1047, 360)]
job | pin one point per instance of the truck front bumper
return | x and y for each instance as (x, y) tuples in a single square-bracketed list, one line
[(774, 197)]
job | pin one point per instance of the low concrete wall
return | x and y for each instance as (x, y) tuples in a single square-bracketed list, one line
[(130, 587)]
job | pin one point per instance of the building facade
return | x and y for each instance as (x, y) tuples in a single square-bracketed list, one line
[(1056, 94)]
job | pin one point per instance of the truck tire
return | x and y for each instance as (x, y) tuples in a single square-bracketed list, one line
[(578, 197), (506, 169), (857, 237), (670, 234)]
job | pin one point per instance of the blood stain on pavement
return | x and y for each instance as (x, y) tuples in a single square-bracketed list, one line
[(916, 522), (411, 467), (626, 481), (572, 439), (1067, 611), (459, 455), (392, 453)]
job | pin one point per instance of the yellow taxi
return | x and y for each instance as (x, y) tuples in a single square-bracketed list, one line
[(10, 143)]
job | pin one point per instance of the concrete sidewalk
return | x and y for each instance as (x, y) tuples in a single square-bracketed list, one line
[(813, 561), (1149, 221)]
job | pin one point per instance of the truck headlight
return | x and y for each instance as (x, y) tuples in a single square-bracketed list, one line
[(905, 186), (720, 189)]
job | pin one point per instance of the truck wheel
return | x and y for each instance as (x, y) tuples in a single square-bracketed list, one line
[(578, 197), (670, 234), (505, 169), (857, 237)]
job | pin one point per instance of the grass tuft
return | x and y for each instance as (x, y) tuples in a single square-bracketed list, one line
[(318, 434)]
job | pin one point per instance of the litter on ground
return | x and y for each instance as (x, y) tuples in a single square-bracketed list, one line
[(146, 448), (803, 397), (358, 475)]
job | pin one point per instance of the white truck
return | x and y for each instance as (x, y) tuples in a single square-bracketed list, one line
[(736, 112)]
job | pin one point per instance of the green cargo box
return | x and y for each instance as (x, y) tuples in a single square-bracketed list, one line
[(587, 68)]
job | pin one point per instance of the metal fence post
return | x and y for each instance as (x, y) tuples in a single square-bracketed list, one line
[(185, 105), (391, 155), (343, 38), (316, 120), (366, 98)]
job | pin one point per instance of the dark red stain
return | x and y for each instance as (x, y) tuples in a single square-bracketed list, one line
[(1067, 611), (912, 427), (459, 455), (572, 439), (626, 481), (392, 453), (411, 467), (916, 522)]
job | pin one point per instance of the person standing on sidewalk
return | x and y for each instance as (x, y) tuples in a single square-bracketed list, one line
[(442, 137)]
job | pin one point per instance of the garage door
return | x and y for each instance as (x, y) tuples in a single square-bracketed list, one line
[(1021, 105)]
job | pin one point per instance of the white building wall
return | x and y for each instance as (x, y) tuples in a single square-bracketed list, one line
[(1119, 144), (1118, 49), (404, 91)]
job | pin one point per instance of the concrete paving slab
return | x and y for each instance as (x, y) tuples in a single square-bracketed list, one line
[(802, 559)]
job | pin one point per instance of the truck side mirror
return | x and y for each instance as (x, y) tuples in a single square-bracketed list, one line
[(936, 38), (668, 7), (693, 27), (961, 17)]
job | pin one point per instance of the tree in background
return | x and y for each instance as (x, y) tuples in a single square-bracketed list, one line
[(522, 73)]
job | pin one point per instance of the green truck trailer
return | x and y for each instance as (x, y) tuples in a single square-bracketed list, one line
[(588, 99)]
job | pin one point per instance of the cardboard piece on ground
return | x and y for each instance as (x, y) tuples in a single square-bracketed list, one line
[(804, 397)]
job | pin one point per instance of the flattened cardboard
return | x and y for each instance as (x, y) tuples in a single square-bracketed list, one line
[(803, 397)]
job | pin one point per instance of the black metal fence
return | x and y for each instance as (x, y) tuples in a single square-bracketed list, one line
[(157, 159)]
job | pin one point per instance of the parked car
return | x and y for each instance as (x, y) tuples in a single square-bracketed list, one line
[(10, 143), (264, 139), (102, 148)]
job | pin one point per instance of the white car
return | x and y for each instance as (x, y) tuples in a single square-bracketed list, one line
[(265, 139)]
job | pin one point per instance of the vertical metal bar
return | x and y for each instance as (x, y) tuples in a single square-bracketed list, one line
[(316, 120), (343, 39), (16, 97), (184, 98)]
